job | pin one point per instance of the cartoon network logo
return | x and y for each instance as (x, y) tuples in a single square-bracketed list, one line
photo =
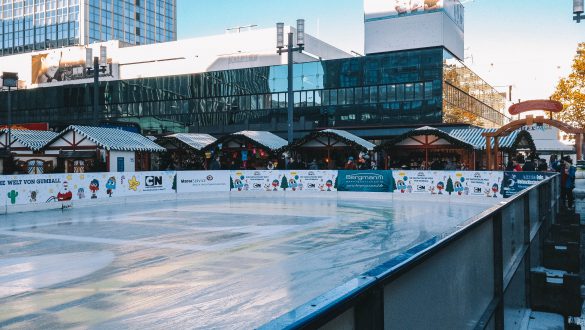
[(153, 181)]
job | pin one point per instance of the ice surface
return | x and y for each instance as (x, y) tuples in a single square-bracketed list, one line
[(227, 263)]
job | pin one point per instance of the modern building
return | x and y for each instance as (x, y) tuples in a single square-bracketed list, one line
[(29, 25), (234, 82)]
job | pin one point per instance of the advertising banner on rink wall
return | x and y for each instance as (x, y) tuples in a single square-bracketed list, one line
[(514, 182), (367, 180), (55, 188), (51, 188), (453, 183), (203, 181), (283, 180)]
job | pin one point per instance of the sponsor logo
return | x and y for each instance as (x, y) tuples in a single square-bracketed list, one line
[(477, 190), (257, 173), (311, 173), (311, 185), (421, 188), (210, 178), (477, 175), (153, 181), (420, 174), (257, 185), (364, 176)]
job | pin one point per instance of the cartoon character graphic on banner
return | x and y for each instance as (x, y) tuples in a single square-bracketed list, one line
[(409, 187), (32, 196), (66, 194), (94, 186), (440, 187), (292, 183), (495, 189), (401, 185), (111, 186), (12, 195), (432, 189), (458, 188), (329, 185), (81, 193), (275, 184), (238, 183)]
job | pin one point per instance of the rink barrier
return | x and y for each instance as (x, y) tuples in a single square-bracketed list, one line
[(21, 193), (474, 278)]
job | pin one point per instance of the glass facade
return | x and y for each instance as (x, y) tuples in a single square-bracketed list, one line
[(376, 91), (468, 99), (29, 25), (135, 22)]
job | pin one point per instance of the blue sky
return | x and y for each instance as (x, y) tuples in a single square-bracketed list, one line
[(527, 44)]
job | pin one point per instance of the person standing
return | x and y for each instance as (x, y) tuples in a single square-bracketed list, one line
[(570, 172), (350, 165)]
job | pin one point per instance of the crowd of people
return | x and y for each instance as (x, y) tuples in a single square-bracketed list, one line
[(563, 165)]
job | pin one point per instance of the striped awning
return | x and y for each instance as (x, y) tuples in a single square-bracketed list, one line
[(474, 137)]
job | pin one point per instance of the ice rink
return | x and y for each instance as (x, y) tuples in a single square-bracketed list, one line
[(220, 262)]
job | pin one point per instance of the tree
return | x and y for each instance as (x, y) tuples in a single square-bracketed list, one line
[(449, 187), (570, 92), (284, 183)]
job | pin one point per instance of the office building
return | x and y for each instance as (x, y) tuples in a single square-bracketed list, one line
[(29, 25), (232, 82)]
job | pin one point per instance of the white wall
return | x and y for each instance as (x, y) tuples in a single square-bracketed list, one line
[(129, 160), (213, 53), (413, 32)]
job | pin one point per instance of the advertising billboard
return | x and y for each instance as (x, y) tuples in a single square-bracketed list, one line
[(383, 9), (65, 64)]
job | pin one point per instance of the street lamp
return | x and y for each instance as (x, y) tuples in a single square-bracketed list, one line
[(94, 67), (290, 49), (10, 80), (578, 10)]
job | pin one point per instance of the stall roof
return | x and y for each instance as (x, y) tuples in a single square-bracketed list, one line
[(266, 139), (343, 136), (351, 137), (113, 138), (427, 130), (474, 137), (195, 141), (34, 140)]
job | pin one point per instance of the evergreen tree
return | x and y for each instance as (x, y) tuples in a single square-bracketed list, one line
[(449, 187), (284, 183)]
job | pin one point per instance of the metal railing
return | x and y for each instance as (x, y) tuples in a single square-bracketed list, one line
[(474, 278)]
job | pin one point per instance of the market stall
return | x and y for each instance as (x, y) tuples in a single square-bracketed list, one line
[(247, 150), (509, 146), (428, 148), (185, 151), (331, 149)]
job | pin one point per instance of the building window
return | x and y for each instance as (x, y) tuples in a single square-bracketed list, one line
[(78, 166), (35, 166)]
